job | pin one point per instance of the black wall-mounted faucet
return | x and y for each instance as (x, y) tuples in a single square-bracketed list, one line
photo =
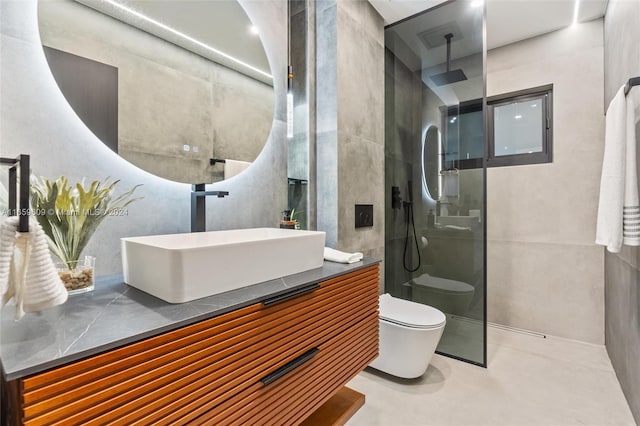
[(199, 206)]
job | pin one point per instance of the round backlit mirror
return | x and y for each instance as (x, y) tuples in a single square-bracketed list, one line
[(178, 88), (431, 155)]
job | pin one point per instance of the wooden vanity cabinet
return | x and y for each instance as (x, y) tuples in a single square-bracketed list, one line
[(273, 362)]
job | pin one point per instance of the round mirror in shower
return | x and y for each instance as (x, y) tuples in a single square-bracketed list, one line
[(431, 154)]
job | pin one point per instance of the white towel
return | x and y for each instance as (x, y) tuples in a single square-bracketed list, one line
[(233, 167), (27, 273), (631, 207), (337, 256), (612, 182), (450, 184)]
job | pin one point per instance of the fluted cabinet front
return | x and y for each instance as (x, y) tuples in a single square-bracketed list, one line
[(273, 362)]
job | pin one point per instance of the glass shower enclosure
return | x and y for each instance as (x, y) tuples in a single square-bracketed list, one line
[(435, 227)]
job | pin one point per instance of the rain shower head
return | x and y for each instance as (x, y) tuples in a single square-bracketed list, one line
[(450, 76)]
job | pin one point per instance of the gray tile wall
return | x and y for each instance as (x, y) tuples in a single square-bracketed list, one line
[(622, 270), (544, 271), (350, 108), (360, 125), (35, 119), (405, 95)]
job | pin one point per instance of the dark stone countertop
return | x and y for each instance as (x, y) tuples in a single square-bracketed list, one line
[(115, 314)]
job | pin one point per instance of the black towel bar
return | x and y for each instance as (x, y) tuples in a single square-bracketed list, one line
[(634, 81)]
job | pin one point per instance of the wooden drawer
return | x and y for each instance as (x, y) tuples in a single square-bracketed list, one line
[(175, 377), (305, 388)]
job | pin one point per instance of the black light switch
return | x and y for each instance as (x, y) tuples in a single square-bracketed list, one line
[(364, 215)]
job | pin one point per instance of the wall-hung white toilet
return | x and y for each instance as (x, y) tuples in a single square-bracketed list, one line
[(409, 334), (452, 297)]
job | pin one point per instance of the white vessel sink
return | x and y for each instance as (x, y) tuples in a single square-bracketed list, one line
[(182, 267), (464, 221)]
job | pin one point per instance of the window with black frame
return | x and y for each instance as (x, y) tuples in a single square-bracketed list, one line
[(519, 130), (520, 127)]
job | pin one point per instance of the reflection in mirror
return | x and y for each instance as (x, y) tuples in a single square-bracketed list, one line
[(431, 162), (168, 85), (299, 151)]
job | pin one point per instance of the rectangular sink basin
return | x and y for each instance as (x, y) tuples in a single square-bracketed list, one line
[(178, 268), (464, 221)]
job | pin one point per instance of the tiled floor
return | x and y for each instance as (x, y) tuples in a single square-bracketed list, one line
[(530, 381)]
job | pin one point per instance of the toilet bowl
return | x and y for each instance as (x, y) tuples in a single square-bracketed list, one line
[(452, 297), (409, 334)]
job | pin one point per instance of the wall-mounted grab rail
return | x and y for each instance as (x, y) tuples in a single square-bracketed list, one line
[(20, 163)]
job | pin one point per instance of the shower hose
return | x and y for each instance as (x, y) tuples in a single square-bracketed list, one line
[(408, 216)]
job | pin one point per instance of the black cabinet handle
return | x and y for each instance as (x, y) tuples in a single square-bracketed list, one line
[(271, 377), (293, 293)]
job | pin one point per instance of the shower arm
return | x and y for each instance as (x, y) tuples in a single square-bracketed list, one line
[(448, 37)]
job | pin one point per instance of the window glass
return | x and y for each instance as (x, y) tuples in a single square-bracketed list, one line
[(518, 128), (471, 135), (464, 131)]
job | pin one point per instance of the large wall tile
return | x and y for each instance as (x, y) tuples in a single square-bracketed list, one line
[(553, 45), (361, 71), (360, 181), (16, 20), (554, 289), (350, 127), (367, 18), (545, 272), (622, 45), (543, 203), (402, 112), (622, 276), (622, 325)]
